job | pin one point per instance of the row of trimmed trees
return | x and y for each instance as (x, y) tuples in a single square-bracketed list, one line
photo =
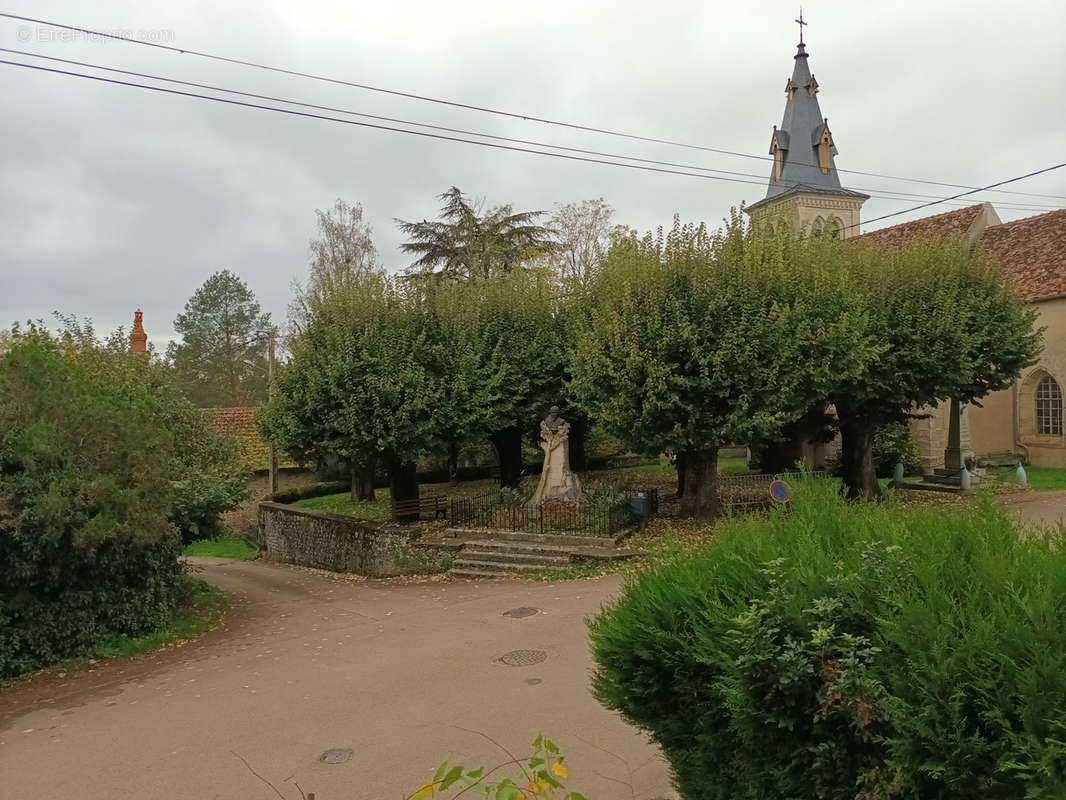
[(678, 343)]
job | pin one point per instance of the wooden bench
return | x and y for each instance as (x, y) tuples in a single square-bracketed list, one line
[(436, 507)]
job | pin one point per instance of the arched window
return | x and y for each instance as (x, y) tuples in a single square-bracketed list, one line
[(835, 227), (818, 227), (1049, 407)]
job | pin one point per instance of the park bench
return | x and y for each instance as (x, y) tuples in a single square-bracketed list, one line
[(435, 507)]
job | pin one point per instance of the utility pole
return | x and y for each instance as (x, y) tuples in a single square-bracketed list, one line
[(273, 473)]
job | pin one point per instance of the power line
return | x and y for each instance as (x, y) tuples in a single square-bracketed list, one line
[(211, 87), (468, 106), (963, 194)]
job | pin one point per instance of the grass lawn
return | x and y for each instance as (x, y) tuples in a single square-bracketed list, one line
[(1042, 479), (200, 607), (223, 547), (662, 474)]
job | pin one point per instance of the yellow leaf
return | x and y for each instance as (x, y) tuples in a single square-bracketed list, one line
[(560, 770), (424, 792)]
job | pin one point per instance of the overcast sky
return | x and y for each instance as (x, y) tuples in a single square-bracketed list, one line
[(114, 198)]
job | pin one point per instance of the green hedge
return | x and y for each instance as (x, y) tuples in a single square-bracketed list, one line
[(102, 470), (849, 652)]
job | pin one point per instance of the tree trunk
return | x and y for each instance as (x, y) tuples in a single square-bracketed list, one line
[(403, 483), (363, 483), (679, 464), (856, 459), (453, 461), (700, 490), (579, 426), (508, 444)]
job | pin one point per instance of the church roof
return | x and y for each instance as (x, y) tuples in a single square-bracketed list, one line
[(1033, 249), (802, 125), (1034, 252), (935, 227), (800, 188)]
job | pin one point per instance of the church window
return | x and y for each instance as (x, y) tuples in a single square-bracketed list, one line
[(1049, 407), (818, 227), (779, 161), (835, 227)]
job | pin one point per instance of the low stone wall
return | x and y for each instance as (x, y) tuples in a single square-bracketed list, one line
[(343, 544)]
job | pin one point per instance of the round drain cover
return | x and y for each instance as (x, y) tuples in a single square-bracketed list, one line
[(523, 611), (534, 681), (523, 658), (337, 755)]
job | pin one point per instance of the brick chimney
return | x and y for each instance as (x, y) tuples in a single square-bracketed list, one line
[(138, 338)]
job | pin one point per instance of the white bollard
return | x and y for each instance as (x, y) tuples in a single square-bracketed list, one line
[(897, 475), (965, 479), (1021, 476)]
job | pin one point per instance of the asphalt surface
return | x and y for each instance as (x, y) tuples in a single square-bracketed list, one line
[(402, 675)]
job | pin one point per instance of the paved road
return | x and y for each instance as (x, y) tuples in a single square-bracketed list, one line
[(306, 662), (1045, 508)]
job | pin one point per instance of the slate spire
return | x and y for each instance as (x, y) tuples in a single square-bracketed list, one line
[(802, 146)]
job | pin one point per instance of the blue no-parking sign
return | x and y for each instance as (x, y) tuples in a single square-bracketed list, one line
[(779, 491)]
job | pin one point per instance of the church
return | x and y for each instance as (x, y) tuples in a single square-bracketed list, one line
[(1023, 423)]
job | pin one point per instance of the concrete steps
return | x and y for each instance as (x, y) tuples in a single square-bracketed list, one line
[(509, 553)]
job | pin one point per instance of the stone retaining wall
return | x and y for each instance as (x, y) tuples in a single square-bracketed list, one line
[(344, 544)]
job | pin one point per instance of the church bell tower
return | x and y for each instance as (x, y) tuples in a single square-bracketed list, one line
[(804, 193)]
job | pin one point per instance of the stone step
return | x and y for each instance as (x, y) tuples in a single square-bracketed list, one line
[(507, 557), (533, 548), (493, 566), (944, 480), (482, 534), (931, 487), (474, 574)]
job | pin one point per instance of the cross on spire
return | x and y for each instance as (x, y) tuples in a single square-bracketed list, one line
[(802, 24)]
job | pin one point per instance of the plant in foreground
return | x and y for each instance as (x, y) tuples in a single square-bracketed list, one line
[(542, 775)]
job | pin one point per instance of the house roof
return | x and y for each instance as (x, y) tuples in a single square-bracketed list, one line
[(239, 425), (951, 223), (1034, 252)]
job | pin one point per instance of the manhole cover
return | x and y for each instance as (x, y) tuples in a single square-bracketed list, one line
[(534, 681), (524, 611), (337, 755), (523, 658)]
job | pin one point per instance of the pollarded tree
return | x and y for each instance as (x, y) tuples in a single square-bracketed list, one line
[(362, 385), (505, 347), (950, 327), (222, 357), (692, 341)]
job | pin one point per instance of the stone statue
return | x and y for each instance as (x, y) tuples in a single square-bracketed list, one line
[(556, 479)]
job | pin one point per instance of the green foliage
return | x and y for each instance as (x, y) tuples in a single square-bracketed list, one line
[(468, 243), (949, 325), (222, 357), (893, 445), (542, 775), (364, 381), (505, 349), (96, 449), (691, 341), (850, 652), (223, 547)]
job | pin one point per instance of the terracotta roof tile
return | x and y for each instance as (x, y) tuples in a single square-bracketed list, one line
[(951, 223), (1034, 252), (239, 424)]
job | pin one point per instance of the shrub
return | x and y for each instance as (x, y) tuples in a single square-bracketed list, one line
[(86, 547), (849, 652)]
